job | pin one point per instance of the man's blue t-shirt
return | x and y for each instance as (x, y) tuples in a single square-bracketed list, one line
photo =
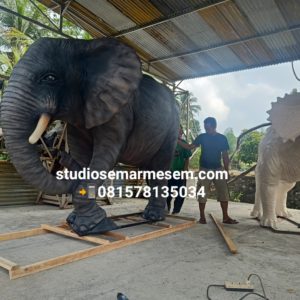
[(212, 147)]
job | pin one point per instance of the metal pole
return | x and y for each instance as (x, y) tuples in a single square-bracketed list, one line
[(222, 45), (188, 118), (34, 21), (170, 17)]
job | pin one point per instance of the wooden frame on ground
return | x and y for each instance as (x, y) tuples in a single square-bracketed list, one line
[(102, 245)]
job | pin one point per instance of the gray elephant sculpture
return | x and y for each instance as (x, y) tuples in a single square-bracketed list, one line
[(114, 114)]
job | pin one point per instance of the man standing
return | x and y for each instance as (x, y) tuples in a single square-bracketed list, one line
[(180, 163), (214, 147)]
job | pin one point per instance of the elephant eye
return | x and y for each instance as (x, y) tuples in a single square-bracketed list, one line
[(49, 78)]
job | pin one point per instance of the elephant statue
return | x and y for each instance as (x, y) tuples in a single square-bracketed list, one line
[(277, 169), (113, 112)]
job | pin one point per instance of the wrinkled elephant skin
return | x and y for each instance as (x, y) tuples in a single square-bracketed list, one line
[(114, 114)]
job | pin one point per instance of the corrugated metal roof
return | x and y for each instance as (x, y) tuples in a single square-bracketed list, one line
[(201, 35), (179, 39), (264, 15), (13, 189), (174, 6), (148, 43), (108, 13)]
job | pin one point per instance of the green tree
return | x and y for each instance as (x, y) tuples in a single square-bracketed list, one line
[(17, 46), (231, 139), (16, 34), (189, 109), (249, 147), (194, 160)]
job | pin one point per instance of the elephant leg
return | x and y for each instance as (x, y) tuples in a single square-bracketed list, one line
[(80, 142), (281, 209), (268, 199), (86, 214), (88, 217), (156, 208)]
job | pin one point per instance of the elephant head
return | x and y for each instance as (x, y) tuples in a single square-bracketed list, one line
[(84, 83)]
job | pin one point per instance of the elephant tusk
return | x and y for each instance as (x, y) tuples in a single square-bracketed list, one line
[(40, 128)]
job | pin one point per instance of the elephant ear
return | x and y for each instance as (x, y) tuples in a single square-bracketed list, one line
[(112, 76), (284, 116)]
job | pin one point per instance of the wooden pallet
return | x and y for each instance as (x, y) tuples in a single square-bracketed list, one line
[(170, 225)]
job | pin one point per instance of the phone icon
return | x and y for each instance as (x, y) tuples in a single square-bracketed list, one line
[(91, 192)]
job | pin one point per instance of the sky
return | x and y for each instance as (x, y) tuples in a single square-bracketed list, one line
[(240, 99)]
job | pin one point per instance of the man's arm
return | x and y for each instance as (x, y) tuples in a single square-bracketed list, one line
[(225, 157), (186, 164), (185, 145)]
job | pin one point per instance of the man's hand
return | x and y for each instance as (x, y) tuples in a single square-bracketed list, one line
[(185, 145), (228, 175)]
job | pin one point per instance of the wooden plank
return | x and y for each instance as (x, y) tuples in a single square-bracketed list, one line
[(134, 218), (181, 218), (68, 258), (7, 264), (159, 224), (125, 215), (116, 235), (230, 244), (162, 224), (21, 234), (68, 233)]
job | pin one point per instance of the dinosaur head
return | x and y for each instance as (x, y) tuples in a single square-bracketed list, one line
[(285, 116)]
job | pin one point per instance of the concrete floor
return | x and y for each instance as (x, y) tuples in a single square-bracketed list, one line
[(176, 266)]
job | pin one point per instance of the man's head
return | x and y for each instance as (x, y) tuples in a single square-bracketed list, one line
[(210, 125)]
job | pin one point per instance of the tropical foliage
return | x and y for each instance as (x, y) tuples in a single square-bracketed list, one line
[(189, 114), (249, 147), (16, 34)]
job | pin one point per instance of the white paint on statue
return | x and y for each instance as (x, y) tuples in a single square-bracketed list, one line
[(278, 161)]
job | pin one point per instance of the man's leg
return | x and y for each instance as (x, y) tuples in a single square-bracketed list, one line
[(179, 200), (224, 206), (223, 198), (169, 199), (202, 219), (202, 198)]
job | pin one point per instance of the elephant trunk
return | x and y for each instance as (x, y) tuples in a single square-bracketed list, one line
[(20, 113)]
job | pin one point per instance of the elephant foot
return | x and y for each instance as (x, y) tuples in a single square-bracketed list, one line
[(154, 213), (91, 221), (268, 222)]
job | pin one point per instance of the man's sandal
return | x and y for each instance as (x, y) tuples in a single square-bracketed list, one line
[(230, 221), (202, 221)]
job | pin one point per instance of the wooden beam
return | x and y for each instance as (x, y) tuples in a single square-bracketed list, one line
[(7, 264), (181, 218), (20, 271), (116, 235), (69, 233), (125, 215), (103, 245), (162, 224), (230, 244), (158, 224), (21, 234)]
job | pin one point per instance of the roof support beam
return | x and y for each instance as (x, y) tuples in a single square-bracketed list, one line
[(232, 43), (34, 21), (169, 17), (35, 5)]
